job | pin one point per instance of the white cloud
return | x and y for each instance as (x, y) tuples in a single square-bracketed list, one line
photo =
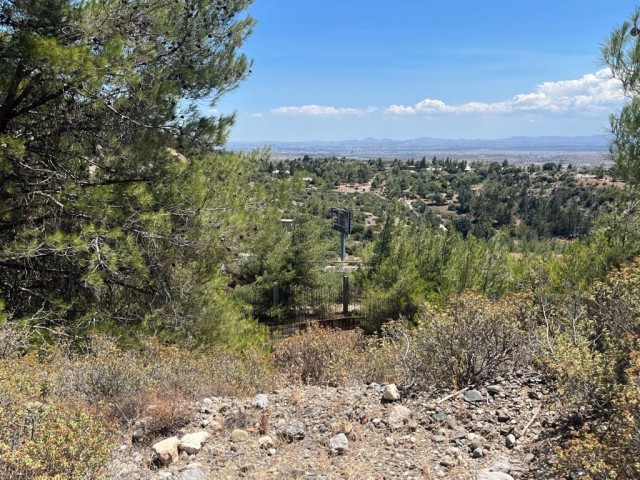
[(322, 111), (591, 93), (256, 115)]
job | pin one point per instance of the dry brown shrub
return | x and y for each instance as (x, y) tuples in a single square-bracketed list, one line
[(165, 414), (332, 357), (103, 374), (469, 341), (13, 341), (199, 373)]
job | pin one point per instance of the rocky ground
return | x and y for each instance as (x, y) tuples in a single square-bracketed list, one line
[(491, 432)]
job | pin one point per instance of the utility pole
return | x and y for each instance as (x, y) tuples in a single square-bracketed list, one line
[(343, 225)]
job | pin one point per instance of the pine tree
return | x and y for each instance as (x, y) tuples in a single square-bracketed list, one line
[(622, 53), (117, 207)]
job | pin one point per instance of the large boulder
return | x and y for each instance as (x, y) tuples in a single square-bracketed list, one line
[(166, 451), (398, 416), (391, 393), (193, 442)]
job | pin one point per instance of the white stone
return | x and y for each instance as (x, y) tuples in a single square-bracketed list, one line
[(391, 392), (265, 442), (494, 476), (239, 436), (193, 442), (398, 416), (339, 443), (260, 401), (166, 451)]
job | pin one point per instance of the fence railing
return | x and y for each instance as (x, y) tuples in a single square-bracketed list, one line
[(285, 305), (288, 310)]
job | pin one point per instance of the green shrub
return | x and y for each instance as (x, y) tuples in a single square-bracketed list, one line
[(608, 448), (52, 441)]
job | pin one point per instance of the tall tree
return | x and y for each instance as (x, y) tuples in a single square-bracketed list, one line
[(111, 179), (622, 53)]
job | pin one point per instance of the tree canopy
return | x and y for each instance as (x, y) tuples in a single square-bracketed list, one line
[(112, 182), (621, 52)]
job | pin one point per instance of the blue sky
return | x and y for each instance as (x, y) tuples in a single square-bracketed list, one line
[(351, 69)]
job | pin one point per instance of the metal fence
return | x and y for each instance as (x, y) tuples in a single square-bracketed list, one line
[(289, 310), (283, 305)]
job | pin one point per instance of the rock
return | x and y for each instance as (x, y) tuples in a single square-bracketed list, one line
[(494, 476), (265, 442), (473, 396), (192, 443), (398, 416), (494, 389), (503, 416), (239, 436), (460, 433), (439, 438), (138, 436), (477, 453), (501, 464), (412, 424), (260, 401), (339, 444), (440, 417), (192, 474), (476, 443), (447, 462), (389, 441), (511, 440), (166, 451), (294, 430), (391, 393)]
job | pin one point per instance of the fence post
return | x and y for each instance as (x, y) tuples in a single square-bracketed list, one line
[(345, 295)]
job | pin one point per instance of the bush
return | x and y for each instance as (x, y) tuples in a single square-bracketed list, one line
[(216, 372), (53, 441), (609, 448), (584, 377), (104, 373), (589, 345), (324, 356), (13, 341), (470, 341)]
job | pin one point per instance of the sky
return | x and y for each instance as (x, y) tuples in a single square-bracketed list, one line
[(329, 70)]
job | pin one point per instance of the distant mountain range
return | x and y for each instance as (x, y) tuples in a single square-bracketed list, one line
[(592, 147)]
